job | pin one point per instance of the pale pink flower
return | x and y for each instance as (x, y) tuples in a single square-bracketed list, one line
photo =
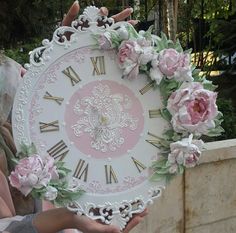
[(193, 108), (129, 50), (185, 152), (155, 73), (33, 172), (131, 55), (104, 41), (175, 65)]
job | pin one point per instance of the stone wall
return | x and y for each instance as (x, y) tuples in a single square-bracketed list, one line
[(203, 200)]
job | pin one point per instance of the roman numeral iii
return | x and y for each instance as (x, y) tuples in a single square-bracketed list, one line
[(49, 127), (110, 175), (59, 150), (57, 99), (154, 113), (81, 170), (138, 165), (98, 65), (72, 75)]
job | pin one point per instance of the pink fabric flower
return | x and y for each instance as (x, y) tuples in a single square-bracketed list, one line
[(193, 108), (129, 51), (175, 65), (104, 41), (185, 152), (131, 55), (33, 172)]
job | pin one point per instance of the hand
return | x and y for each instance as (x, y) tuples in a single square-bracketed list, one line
[(86, 225), (74, 10), (135, 221)]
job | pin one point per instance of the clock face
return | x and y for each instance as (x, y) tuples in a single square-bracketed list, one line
[(77, 107)]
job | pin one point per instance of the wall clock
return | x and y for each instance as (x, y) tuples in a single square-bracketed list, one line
[(75, 105)]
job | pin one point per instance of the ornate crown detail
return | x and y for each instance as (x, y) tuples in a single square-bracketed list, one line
[(92, 17)]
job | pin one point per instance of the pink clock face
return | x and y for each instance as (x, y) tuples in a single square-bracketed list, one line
[(104, 119)]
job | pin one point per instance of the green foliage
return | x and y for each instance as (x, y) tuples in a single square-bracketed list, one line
[(213, 9), (21, 52), (26, 150), (21, 20), (229, 123)]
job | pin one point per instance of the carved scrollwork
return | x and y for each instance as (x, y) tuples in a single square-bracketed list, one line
[(117, 214), (90, 20), (91, 17)]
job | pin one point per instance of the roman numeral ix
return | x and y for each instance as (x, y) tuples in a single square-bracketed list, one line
[(49, 127)]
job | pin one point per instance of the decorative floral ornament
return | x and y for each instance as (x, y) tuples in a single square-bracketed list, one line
[(189, 100), (193, 109), (185, 153), (43, 178)]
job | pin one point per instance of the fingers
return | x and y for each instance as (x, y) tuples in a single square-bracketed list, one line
[(123, 14), (133, 22), (72, 14), (108, 229), (104, 11), (144, 213), (135, 221), (22, 72)]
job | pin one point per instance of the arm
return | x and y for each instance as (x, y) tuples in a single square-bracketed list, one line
[(6, 204), (47, 222)]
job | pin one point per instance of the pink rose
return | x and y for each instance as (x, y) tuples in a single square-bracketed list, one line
[(193, 108), (104, 41), (33, 172), (131, 55), (185, 152), (175, 65), (129, 51)]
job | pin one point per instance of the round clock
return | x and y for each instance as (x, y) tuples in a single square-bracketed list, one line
[(75, 105)]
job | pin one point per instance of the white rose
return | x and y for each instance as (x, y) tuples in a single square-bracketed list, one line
[(51, 193), (185, 152), (123, 33)]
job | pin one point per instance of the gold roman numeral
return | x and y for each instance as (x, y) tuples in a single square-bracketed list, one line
[(57, 99), (110, 175), (72, 75), (49, 127), (81, 170), (139, 165), (154, 113), (98, 65), (155, 141), (147, 88), (59, 150)]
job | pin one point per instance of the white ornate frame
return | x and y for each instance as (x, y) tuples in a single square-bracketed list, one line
[(116, 213)]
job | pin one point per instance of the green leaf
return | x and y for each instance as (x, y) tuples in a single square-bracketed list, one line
[(166, 114), (208, 85), (26, 150), (157, 177)]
